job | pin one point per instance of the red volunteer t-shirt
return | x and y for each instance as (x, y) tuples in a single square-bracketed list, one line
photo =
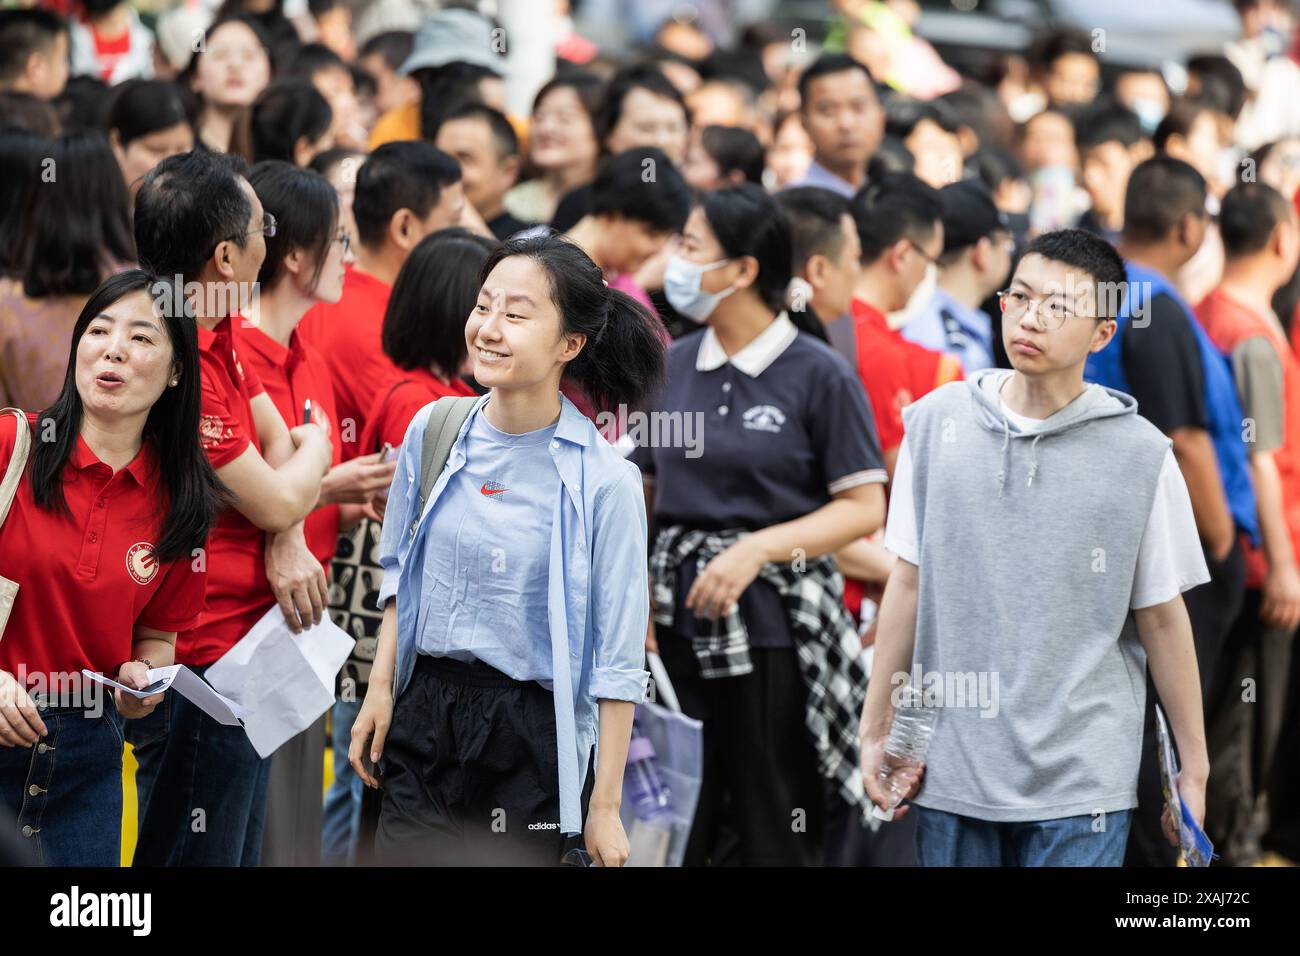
[(397, 401), (108, 50), (895, 373), (87, 580), (347, 334), (236, 560), (1228, 323), (291, 376)]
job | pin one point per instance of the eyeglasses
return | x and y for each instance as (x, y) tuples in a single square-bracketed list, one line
[(268, 227), (1004, 240), (1049, 314), (267, 230), (933, 260)]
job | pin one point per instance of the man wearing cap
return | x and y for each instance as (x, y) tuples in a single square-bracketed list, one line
[(460, 38), (976, 258)]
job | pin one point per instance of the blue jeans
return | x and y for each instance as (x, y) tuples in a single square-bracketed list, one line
[(66, 790), (202, 789), (948, 839), (338, 839)]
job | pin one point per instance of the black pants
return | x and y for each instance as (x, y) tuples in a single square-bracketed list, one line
[(762, 801), (470, 771), (1213, 608), (1283, 835), (1243, 729)]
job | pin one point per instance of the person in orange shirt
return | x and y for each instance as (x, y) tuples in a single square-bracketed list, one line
[(900, 226), (456, 57), (1261, 239)]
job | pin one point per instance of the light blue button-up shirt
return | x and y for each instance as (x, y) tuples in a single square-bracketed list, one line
[(818, 175), (598, 602)]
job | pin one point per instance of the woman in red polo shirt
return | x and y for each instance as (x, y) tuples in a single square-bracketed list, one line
[(116, 499), (303, 266), (424, 331)]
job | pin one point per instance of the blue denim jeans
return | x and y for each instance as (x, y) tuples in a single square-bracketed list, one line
[(948, 839), (66, 790), (202, 789), (341, 823)]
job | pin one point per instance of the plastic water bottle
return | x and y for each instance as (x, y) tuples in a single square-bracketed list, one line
[(909, 739), (648, 837), (650, 795)]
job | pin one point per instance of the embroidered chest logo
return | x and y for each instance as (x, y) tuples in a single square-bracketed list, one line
[(764, 418), (140, 562), (212, 431), (493, 488)]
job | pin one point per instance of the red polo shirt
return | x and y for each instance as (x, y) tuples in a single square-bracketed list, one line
[(894, 371), (347, 334), (235, 556), (87, 579), (397, 401), (292, 376)]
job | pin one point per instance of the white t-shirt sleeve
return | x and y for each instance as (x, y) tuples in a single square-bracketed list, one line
[(1170, 560), (900, 525)]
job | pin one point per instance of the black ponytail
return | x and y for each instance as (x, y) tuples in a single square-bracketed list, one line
[(747, 221), (806, 320), (622, 362)]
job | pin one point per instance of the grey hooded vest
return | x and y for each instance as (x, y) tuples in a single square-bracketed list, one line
[(1028, 545)]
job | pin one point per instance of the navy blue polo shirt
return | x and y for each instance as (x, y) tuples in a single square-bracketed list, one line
[(771, 434)]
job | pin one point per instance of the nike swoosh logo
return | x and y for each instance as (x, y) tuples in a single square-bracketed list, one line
[(493, 491)]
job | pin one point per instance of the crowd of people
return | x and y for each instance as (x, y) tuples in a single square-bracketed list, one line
[(980, 376)]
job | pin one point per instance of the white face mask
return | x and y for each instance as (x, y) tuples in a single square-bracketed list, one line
[(682, 288)]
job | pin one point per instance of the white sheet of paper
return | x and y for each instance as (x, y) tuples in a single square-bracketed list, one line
[(285, 681), (164, 674), (189, 685)]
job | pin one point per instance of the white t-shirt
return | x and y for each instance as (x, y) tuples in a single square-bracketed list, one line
[(1170, 560)]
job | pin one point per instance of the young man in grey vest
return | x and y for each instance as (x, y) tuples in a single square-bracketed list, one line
[(1045, 536)]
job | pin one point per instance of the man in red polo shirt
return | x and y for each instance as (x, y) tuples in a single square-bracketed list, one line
[(900, 226), (1261, 243), (198, 219), (405, 191)]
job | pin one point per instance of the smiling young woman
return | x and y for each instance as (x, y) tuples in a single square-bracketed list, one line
[(116, 497), (517, 595)]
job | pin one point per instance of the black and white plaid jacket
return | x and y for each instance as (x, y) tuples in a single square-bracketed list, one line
[(825, 639)]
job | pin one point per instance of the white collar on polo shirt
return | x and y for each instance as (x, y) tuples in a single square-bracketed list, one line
[(755, 357)]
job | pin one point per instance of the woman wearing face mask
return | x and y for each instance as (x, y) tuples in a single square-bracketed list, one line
[(784, 470), (514, 606), (116, 498)]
